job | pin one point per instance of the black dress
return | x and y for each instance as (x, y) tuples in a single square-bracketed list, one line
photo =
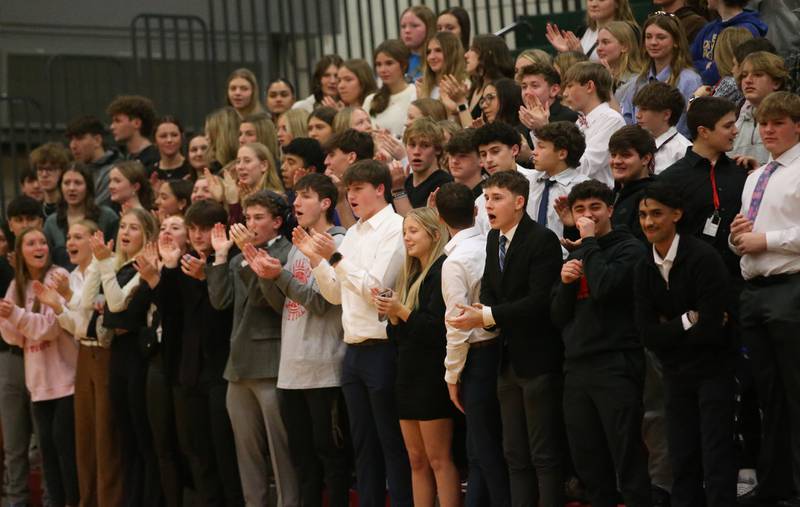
[(420, 389)]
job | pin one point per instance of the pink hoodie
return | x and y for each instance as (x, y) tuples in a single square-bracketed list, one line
[(50, 352)]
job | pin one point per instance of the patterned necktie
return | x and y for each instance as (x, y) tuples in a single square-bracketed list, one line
[(544, 202), (503, 241), (582, 121), (758, 192)]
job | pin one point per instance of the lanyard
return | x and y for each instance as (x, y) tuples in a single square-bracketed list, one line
[(714, 194), (670, 138)]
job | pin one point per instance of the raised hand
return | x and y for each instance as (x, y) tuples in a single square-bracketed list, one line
[(556, 38), (455, 90), (219, 241), (432, 198), (262, 264), (150, 252), (59, 281), (241, 235), (305, 243), (535, 114), (194, 267), (48, 296), (214, 185), (100, 249), (393, 146), (561, 205), (147, 270), (169, 251), (329, 101), (398, 174)]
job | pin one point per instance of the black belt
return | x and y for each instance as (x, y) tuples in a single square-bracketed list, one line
[(767, 281), (14, 350), (368, 342)]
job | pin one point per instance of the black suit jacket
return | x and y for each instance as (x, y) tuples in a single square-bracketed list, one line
[(520, 297)]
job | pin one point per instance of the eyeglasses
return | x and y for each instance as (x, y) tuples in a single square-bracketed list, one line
[(47, 169), (487, 98)]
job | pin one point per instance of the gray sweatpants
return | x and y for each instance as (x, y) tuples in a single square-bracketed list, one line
[(15, 417)]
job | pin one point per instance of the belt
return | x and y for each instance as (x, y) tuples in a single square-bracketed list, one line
[(484, 343), (765, 281), (368, 342)]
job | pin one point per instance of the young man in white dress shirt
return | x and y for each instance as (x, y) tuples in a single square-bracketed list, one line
[(472, 355), (559, 148), (767, 236), (368, 259), (587, 90), (498, 145), (659, 106)]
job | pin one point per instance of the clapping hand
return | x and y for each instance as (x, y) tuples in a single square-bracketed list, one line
[(47, 295), (219, 241), (535, 114), (169, 251), (100, 249), (451, 87), (59, 280), (562, 41), (262, 263), (329, 101), (6, 307), (194, 267), (214, 185), (241, 235), (146, 263)]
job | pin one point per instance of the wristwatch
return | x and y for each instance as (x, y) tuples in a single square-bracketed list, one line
[(462, 108), (335, 258)]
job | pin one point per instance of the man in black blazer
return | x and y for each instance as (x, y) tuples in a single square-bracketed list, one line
[(523, 261)]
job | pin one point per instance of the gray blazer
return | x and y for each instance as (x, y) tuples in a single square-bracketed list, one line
[(255, 337)]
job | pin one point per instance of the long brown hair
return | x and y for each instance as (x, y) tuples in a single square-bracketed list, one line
[(453, 53), (22, 274), (398, 51), (134, 172), (680, 60), (255, 99), (494, 61)]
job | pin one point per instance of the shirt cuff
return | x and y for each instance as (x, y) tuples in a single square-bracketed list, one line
[(687, 324), (488, 318)]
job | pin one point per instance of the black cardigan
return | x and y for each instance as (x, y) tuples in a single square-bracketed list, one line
[(698, 281)]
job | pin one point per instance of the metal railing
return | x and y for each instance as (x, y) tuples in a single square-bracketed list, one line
[(23, 129)]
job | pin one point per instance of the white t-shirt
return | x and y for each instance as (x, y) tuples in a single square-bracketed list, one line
[(393, 118)]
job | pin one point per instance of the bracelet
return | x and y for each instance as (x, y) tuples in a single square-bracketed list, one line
[(398, 194)]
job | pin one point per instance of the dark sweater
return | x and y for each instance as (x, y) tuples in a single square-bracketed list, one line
[(203, 338), (134, 317), (418, 196), (595, 312), (691, 175), (699, 281), (626, 206)]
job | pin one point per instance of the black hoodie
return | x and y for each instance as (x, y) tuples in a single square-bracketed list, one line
[(626, 206), (595, 313)]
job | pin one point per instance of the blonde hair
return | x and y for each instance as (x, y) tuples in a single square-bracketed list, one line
[(454, 62), (255, 99), (270, 180), (630, 61), (566, 60), (414, 273), (149, 233), (536, 56), (296, 122), (727, 41), (222, 130), (622, 12), (768, 63), (779, 105), (266, 133), (341, 121)]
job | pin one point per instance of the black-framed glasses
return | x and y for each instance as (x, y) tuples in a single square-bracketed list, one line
[(487, 98)]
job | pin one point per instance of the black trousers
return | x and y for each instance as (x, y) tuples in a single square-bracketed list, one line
[(161, 411), (532, 437), (206, 438), (700, 427), (315, 423), (127, 383), (770, 317), (55, 425), (603, 415)]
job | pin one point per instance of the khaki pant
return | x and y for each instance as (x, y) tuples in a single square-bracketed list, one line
[(97, 439)]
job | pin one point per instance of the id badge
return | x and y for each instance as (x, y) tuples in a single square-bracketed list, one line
[(712, 225)]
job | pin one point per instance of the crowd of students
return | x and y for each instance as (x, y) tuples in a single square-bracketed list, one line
[(474, 280)]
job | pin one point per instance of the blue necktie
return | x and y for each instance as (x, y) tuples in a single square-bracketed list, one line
[(544, 202), (503, 241)]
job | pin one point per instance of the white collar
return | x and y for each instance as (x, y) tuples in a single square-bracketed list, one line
[(459, 237), (788, 156), (666, 136), (671, 253), (509, 234)]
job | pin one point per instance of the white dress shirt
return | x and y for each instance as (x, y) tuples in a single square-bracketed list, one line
[(461, 285), (393, 118), (564, 181), (670, 147), (372, 256), (778, 217), (74, 319), (665, 266), (597, 128), (488, 318), (589, 43), (482, 219)]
